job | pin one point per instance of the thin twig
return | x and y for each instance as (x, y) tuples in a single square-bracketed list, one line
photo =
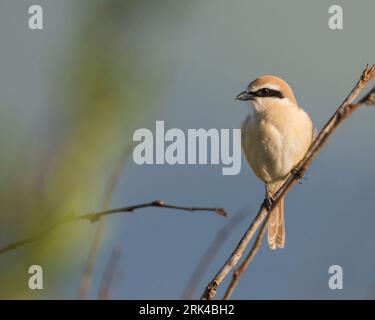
[(211, 252), (343, 112), (95, 216), (241, 269), (114, 177)]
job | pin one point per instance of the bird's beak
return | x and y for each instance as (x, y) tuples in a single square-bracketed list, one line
[(245, 96)]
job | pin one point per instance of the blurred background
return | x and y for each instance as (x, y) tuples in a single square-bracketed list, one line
[(72, 95)]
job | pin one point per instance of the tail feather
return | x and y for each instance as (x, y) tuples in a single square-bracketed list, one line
[(276, 227)]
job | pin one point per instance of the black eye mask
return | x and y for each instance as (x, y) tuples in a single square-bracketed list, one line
[(266, 92)]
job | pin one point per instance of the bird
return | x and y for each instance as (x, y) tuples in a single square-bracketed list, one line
[(274, 138)]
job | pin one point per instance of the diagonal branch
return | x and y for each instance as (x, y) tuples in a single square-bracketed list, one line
[(241, 269), (95, 216), (343, 112)]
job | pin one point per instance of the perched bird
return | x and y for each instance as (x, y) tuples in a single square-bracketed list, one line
[(275, 139)]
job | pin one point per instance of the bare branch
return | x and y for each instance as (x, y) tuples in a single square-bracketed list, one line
[(95, 216), (241, 269), (343, 112), (369, 98)]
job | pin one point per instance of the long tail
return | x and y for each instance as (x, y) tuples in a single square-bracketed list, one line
[(276, 227)]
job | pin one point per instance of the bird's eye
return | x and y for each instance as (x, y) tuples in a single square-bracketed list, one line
[(265, 91)]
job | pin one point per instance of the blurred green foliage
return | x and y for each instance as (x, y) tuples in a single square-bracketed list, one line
[(99, 93)]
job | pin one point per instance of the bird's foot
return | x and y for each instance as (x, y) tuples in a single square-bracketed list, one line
[(268, 201), (297, 173)]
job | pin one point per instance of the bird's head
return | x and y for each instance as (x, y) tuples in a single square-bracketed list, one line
[(268, 92)]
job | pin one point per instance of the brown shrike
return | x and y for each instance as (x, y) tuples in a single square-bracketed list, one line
[(275, 138)]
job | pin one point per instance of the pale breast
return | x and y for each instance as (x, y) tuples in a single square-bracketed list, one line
[(274, 144)]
